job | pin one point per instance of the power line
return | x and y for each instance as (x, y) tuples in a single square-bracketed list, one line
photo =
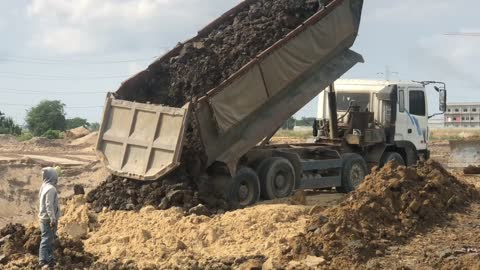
[(67, 107), (27, 91), (463, 34), (32, 60), (15, 75)]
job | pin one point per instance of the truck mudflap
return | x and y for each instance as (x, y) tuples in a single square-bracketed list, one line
[(141, 141)]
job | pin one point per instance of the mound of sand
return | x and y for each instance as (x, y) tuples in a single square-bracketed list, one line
[(76, 220), (169, 239), (390, 206), (76, 133), (88, 140)]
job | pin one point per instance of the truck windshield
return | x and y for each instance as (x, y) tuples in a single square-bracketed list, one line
[(358, 99)]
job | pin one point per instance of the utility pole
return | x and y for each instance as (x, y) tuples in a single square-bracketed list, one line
[(388, 73)]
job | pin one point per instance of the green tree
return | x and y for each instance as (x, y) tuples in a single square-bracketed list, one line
[(76, 122), (289, 124), (306, 122), (47, 115), (95, 126), (8, 126)]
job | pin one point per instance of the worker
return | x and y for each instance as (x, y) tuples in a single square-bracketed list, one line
[(49, 213)]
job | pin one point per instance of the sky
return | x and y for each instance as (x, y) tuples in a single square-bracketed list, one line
[(78, 50)]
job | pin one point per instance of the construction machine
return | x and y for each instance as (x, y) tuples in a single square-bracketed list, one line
[(237, 119)]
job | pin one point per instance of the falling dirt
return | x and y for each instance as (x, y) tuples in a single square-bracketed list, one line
[(196, 67), (118, 193), (389, 207), (200, 65)]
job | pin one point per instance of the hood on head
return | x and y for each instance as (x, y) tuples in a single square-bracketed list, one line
[(50, 176)]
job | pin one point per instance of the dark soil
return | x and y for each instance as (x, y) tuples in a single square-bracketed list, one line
[(472, 170), (118, 193), (203, 64), (20, 241), (391, 205)]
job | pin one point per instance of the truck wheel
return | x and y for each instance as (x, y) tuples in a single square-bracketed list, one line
[(388, 156), (245, 187), (354, 170), (277, 178)]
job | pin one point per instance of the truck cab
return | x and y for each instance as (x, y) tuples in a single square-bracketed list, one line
[(400, 115)]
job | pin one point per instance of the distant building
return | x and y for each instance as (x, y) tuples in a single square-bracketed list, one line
[(463, 115)]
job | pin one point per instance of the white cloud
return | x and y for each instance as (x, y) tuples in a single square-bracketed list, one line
[(68, 41), (451, 57), (408, 11), (459, 50), (125, 25)]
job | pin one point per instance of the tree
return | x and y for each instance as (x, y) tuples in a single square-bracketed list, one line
[(306, 122), (8, 126), (47, 115), (76, 122), (95, 126), (289, 124)]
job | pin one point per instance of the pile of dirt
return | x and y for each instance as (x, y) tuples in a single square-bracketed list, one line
[(6, 139), (171, 240), (19, 249), (472, 170), (76, 133), (118, 193), (88, 140), (390, 206), (76, 221)]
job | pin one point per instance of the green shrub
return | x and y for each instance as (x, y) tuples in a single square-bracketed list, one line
[(53, 134), (25, 136)]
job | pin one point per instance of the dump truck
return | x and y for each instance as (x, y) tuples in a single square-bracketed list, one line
[(381, 120), (237, 118)]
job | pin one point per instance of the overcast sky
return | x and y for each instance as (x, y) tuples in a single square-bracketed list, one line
[(77, 50)]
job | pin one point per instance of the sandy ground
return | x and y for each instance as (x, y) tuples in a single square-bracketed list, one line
[(260, 230)]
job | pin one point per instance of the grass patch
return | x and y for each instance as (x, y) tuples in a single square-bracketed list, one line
[(451, 134), (304, 134)]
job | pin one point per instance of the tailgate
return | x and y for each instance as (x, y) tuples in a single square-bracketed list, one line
[(141, 141)]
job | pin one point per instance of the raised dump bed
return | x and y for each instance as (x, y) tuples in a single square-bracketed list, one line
[(144, 141)]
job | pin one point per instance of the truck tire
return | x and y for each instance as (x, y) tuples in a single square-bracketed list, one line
[(354, 170), (277, 178), (245, 188), (388, 156)]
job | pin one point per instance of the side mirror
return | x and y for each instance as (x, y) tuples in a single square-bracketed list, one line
[(443, 100)]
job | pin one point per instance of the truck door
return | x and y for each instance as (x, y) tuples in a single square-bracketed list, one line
[(401, 124), (417, 121)]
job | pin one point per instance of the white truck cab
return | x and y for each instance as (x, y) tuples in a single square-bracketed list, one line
[(400, 108)]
